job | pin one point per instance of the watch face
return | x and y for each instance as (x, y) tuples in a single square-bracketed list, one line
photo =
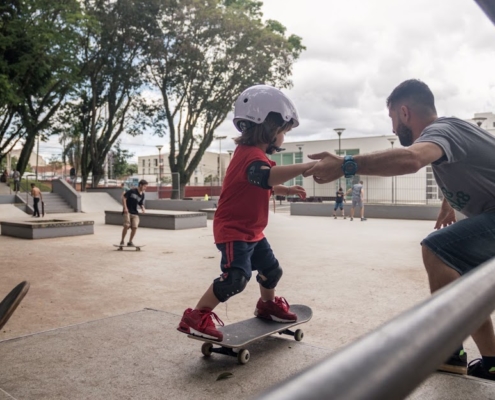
[(349, 167)]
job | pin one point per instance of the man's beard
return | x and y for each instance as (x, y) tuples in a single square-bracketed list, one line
[(405, 135)]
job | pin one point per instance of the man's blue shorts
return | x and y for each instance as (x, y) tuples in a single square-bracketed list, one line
[(338, 205), (465, 244), (247, 256)]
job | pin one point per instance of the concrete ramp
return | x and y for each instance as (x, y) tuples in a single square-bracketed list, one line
[(99, 202), (140, 355), (9, 211)]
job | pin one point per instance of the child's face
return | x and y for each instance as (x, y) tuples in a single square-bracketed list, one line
[(280, 138)]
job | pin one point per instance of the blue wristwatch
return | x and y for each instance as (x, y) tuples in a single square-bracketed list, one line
[(349, 166)]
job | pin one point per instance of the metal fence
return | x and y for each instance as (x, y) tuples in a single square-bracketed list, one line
[(419, 188), (399, 355)]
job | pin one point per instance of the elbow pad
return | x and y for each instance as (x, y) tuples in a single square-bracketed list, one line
[(257, 175)]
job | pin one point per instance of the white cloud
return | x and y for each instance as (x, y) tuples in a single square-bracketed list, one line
[(359, 50)]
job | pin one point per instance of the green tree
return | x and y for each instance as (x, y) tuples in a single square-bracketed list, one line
[(108, 102), (132, 169), (38, 44), (119, 161), (210, 52)]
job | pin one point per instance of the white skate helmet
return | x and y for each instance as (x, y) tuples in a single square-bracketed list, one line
[(256, 102)]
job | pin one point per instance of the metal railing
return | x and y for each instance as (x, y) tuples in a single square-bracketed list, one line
[(419, 189), (391, 361)]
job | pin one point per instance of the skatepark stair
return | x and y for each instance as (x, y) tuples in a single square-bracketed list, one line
[(54, 204)]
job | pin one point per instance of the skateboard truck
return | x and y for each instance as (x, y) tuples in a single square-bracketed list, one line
[(243, 355)]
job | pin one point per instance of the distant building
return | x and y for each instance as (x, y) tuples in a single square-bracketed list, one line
[(418, 188), (485, 120), (210, 170)]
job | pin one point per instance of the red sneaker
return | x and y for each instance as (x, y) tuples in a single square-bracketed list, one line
[(200, 323), (276, 310)]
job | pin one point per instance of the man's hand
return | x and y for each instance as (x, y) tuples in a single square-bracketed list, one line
[(446, 217), (126, 211), (297, 190), (328, 168)]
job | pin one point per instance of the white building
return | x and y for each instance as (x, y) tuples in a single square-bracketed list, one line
[(418, 188), (485, 120), (210, 170)]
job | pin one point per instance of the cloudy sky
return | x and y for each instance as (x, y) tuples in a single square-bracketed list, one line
[(359, 50)]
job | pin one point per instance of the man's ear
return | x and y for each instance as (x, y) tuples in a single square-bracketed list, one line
[(405, 113)]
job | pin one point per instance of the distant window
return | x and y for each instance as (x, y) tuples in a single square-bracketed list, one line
[(144, 163), (156, 162), (347, 152), (494, 124)]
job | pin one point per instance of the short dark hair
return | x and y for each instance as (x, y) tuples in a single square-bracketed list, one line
[(142, 182), (416, 93), (264, 133), (33, 185)]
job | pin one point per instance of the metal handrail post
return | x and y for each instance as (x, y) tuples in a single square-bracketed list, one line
[(391, 361)]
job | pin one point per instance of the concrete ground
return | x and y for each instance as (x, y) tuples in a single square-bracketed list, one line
[(98, 323)]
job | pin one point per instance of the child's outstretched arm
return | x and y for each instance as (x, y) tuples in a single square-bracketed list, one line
[(281, 174), (281, 190)]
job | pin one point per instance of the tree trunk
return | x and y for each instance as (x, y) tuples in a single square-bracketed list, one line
[(26, 153), (177, 187)]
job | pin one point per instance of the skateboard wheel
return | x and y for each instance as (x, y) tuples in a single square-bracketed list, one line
[(298, 335), (243, 356), (120, 249), (138, 249), (206, 349)]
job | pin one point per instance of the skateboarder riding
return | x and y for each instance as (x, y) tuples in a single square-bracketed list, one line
[(263, 115), (130, 200)]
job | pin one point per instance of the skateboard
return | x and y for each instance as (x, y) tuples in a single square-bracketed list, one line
[(238, 335), (11, 301), (42, 208), (120, 248)]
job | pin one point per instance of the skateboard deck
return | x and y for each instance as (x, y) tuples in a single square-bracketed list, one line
[(11, 301), (240, 334), (42, 208), (120, 248)]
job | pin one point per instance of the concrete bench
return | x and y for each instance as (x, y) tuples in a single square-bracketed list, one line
[(180, 205), (389, 211), (49, 228), (157, 219), (210, 212)]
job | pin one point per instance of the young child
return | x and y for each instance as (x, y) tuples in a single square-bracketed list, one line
[(339, 203), (263, 115)]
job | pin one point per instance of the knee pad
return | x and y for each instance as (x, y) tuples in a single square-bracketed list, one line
[(272, 276), (229, 284)]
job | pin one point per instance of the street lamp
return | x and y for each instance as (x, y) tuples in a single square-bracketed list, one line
[(339, 132), (220, 138), (479, 120), (159, 147), (392, 141)]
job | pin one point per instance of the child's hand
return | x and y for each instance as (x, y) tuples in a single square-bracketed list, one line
[(297, 190)]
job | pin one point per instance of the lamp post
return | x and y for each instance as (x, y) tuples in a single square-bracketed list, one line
[(479, 120), (219, 172), (159, 147), (339, 132), (392, 141)]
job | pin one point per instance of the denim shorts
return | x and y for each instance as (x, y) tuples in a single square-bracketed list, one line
[(466, 244), (338, 205), (247, 256)]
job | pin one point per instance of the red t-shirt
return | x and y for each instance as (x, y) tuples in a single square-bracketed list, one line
[(242, 212)]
